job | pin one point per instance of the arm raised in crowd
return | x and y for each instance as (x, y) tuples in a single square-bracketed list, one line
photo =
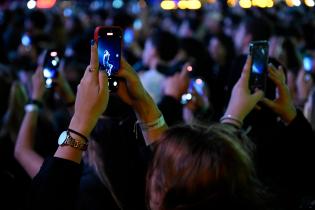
[(133, 93), (283, 104), (24, 152), (242, 101), (297, 125), (174, 87), (91, 102), (64, 90), (56, 186)]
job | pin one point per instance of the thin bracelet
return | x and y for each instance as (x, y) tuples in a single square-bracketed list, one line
[(158, 123), (79, 134), (232, 118)]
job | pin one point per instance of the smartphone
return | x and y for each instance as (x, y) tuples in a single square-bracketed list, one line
[(109, 42), (196, 84), (258, 75), (50, 67)]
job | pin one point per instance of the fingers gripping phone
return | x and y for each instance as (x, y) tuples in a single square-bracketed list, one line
[(50, 67), (109, 42), (258, 75)]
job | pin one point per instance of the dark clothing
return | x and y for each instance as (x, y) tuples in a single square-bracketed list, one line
[(93, 193), (56, 186), (14, 181), (283, 156), (172, 110)]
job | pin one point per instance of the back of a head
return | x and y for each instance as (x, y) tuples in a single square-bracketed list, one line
[(38, 19), (258, 28), (196, 167), (165, 43)]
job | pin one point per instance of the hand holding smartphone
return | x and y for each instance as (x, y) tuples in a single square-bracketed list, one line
[(258, 75), (196, 84), (109, 43), (50, 67)]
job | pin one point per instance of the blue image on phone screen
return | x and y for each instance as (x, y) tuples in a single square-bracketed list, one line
[(109, 52), (259, 60)]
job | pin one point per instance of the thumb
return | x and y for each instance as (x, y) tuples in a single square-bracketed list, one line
[(258, 95), (269, 103)]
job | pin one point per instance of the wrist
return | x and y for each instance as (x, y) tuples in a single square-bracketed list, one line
[(36, 102), (230, 119), (31, 108), (174, 95), (82, 125), (37, 98), (236, 114), (146, 109), (288, 116)]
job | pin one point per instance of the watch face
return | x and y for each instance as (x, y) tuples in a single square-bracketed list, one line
[(62, 137)]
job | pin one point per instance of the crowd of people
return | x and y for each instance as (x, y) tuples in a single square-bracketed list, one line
[(182, 131)]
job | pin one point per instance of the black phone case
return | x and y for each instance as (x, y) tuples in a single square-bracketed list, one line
[(258, 74)]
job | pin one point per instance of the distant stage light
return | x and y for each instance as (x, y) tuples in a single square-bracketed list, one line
[(45, 4), (309, 3), (168, 5), (31, 4), (289, 3), (117, 4), (231, 3), (245, 4), (296, 2), (194, 4), (270, 3)]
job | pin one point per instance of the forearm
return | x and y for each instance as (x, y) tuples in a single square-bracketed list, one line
[(147, 112), (24, 148)]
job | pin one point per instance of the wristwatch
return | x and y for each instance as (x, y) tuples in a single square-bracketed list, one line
[(66, 139)]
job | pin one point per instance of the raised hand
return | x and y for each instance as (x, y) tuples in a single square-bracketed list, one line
[(92, 97), (132, 92), (242, 101), (38, 84), (283, 104), (63, 87), (177, 84)]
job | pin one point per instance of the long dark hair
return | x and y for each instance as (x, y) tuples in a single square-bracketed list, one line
[(195, 167)]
